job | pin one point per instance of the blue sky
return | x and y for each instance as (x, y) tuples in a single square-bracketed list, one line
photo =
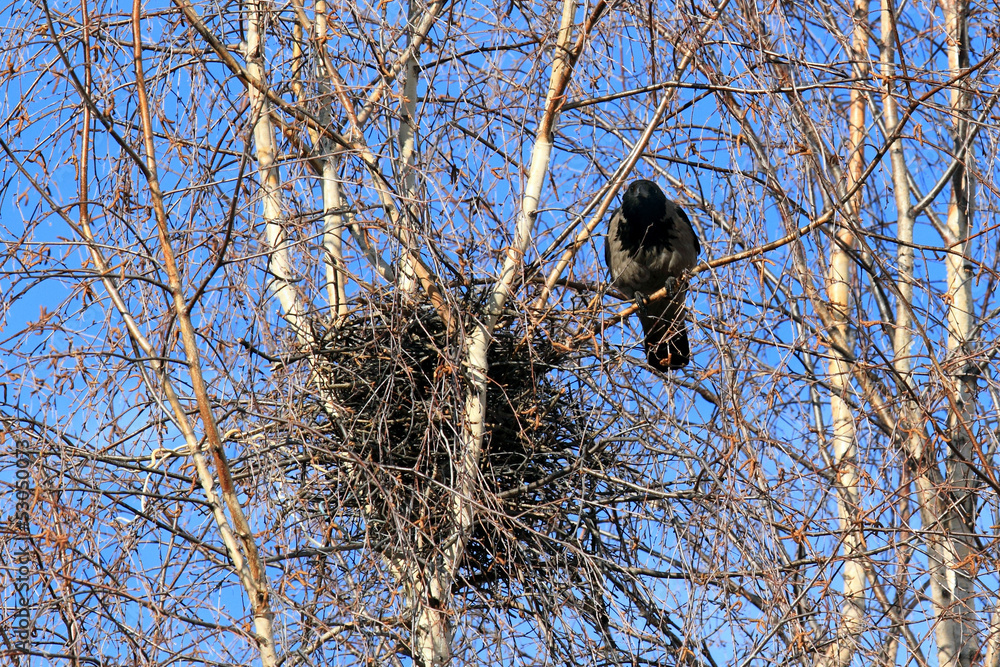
[(477, 118)]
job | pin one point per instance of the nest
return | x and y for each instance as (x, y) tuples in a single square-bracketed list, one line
[(384, 441)]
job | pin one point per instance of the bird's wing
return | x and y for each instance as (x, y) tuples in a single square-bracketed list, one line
[(687, 223), (612, 231)]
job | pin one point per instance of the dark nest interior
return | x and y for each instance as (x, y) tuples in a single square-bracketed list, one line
[(380, 452)]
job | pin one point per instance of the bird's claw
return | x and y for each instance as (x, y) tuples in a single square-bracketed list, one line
[(671, 284), (640, 303)]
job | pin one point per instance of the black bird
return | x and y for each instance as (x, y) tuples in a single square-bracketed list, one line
[(651, 243)]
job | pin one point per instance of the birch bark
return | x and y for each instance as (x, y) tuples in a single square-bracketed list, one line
[(844, 436), (433, 633), (957, 643)]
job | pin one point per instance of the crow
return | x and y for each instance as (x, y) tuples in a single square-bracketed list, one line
[(651, 243)]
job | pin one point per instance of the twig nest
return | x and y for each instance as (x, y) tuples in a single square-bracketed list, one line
[(381, 452)]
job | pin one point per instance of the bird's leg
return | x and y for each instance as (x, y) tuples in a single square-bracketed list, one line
[(640, 303), (675, 286), (671, 283)]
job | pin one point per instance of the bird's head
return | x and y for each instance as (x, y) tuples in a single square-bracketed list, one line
[(644, 202)]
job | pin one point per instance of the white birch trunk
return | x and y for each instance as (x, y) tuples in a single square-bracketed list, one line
[(279, 264), (333, 240), (903, 333), (333, 219), (433, 632), (407, 146), (958, 510), (950, 588), (333, 260), (961, 318), (844, 438)]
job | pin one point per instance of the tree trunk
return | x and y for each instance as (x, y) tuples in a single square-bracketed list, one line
[(839, 286)]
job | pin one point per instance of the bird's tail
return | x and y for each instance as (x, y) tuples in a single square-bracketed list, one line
[(666, 339)]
